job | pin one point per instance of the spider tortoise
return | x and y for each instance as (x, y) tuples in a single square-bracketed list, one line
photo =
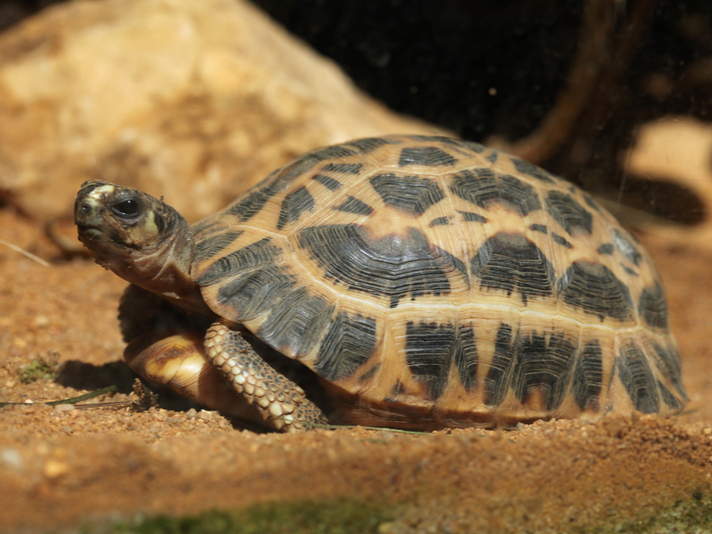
[(427, 282)]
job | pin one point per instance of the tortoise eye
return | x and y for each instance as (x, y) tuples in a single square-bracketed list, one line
[(127, 209)]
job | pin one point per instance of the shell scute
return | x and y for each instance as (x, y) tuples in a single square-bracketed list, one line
[(395, 267), (296, 321), (593, 288), (409, 194), (512, 263), (294, 204), (637, 377), (429, 156), (588, 376), (429, 354), (349, 343), (543, 365), (482, 187), (570, 215)]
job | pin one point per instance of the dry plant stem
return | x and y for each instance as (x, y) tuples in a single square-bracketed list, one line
[(556, 127), (24, 253), (601, 107), (71, 400)]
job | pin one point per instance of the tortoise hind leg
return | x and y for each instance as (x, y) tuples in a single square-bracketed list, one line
[(282, 403), (165, 347)]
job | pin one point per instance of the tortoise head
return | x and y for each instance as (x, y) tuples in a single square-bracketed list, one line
[(138, 237)]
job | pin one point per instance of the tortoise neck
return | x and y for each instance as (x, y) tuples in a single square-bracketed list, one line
[(164, 267)]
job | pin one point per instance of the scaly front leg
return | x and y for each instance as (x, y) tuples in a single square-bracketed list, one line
[(281, 402)]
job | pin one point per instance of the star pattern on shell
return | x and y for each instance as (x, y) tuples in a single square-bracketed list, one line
[(427, 275)]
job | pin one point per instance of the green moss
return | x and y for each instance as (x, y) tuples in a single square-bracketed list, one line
[(691, 515), (41, 368), (347, 516), (333, 517)]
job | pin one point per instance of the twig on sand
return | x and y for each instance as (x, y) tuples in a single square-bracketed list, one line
[(71, 400), (24, 253)]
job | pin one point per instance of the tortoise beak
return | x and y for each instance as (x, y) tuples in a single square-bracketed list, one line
[(89, 208), (90, 201)]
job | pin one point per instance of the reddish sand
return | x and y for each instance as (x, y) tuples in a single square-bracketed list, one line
[(63, 466)]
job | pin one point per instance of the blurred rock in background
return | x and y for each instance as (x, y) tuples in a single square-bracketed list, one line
[(195, 101)]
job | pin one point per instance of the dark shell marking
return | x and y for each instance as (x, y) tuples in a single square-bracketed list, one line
[(293, 205), (424, 274), (354, 205), (512, 263), (391, 266), (410, 194), (483, 188), (568, 213), (592, 287), (433, 348), (349, 343)]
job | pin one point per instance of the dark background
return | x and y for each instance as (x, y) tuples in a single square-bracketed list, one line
[(484, 67)]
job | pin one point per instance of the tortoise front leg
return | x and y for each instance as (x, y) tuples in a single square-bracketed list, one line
[(281, 402)]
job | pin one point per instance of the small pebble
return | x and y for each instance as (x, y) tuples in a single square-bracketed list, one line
[(11, 457), (55, 468)]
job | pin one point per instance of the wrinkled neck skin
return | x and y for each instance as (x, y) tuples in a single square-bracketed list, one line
[(163, 269), (153, 250)]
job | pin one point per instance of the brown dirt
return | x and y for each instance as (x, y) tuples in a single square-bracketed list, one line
[(64, 466)]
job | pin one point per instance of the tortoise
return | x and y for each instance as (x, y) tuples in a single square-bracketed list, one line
[(427, 283)]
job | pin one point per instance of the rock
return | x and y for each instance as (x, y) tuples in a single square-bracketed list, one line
[(11, 457), (677, 149), (195, 101)]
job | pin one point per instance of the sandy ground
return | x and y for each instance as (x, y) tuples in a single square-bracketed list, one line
[(64, 466)]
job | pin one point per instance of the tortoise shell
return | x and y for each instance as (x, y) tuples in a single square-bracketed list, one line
[(434, 278)]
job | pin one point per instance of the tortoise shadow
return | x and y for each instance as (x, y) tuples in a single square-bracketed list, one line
[(86, 376)]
